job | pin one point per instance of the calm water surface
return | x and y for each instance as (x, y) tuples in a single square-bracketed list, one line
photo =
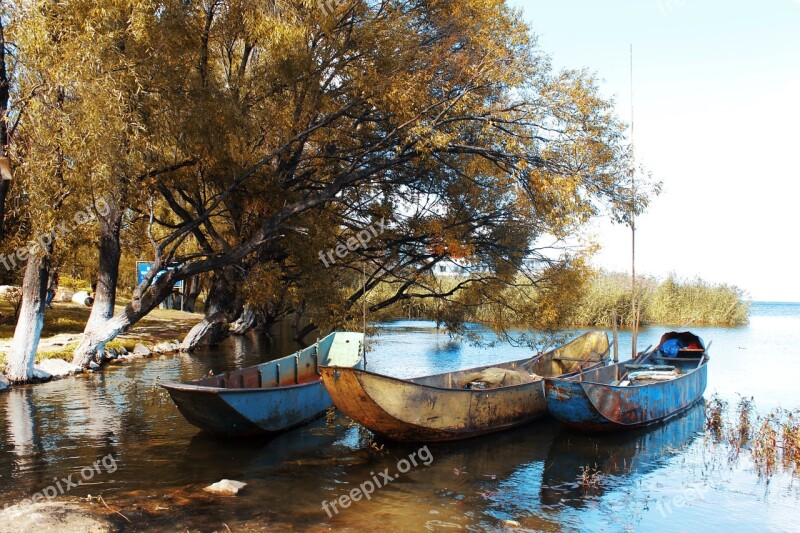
[(668, 478)]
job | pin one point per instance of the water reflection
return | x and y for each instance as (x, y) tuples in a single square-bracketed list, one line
[(581, 467), (22, 432), (528, 475)]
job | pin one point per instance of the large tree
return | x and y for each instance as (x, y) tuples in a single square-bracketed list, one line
[(372, 111), (244, 138)]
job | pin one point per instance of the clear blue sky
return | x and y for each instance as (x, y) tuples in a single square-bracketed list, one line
[(717, 114)]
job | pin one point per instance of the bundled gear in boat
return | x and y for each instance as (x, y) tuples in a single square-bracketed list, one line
[(494, 378)]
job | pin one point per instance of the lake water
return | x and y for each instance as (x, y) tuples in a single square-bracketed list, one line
[(668, 478)]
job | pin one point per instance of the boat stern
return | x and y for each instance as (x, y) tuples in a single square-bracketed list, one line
[(567, 402), (208, 410)]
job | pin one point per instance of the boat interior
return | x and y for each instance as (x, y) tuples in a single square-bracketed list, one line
[(677, 354), (339, 349), (588, 350)]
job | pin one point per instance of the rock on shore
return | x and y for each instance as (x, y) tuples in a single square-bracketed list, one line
[(58, 368), (226, 487), (65, 296), (41, 375), (141, 349), (167, 347), (63, 517)]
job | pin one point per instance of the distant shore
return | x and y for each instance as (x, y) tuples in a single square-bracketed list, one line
[(668, 302)]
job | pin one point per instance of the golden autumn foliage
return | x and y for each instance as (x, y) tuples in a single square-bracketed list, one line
[(245, 138)]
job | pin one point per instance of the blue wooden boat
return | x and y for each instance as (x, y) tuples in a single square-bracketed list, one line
[(270, 397), (652, 388)]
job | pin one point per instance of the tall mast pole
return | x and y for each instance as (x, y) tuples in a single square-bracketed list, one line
[(364, 307), (634, 314)]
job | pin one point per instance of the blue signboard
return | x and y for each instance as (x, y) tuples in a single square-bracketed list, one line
[(143, 268)]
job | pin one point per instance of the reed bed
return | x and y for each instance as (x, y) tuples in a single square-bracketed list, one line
[(668, 302), (590, 302)]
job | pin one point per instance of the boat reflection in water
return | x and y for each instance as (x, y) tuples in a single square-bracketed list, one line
[(467, 485), (452, 486), (581, 467)]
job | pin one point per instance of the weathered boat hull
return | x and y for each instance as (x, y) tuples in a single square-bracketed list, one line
[(592, 401), (250, 412), (402, 411), (435, 408), (268, 398)]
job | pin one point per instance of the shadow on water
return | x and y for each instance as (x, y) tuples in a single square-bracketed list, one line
[(253, 456), (448, 347)]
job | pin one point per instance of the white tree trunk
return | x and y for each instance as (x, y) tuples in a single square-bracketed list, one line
[(95, 338), (30, 322), (108, 271)]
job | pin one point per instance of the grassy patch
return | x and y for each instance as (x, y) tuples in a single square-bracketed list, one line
[(68, 320), (118, 344), (64, 353)]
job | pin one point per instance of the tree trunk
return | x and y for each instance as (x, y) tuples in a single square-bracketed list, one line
[(300, 334), (194, 286), (106, 290), (209, 331), (5, 94), (31, 320), (223, 306), (245, 322), (94, 340)]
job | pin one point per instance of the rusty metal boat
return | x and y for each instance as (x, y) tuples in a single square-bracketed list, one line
[(654, 387), (440, 408), (268, 398)]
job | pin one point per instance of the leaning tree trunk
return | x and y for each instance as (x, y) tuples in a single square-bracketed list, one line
[(31, 320), (94, 340), (223, 306), (110, 252), (245, 322)]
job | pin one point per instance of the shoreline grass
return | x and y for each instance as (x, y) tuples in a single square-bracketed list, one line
[(671, 302)]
